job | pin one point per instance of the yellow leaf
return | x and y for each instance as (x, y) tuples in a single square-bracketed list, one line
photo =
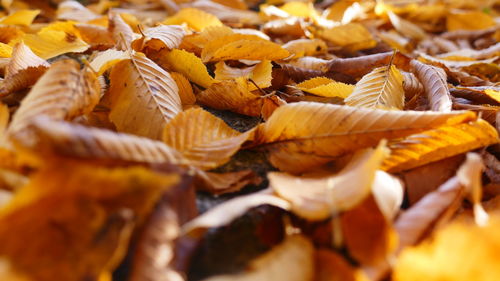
[(381, 88), (325, 87), (291, 260), (80, 222), (300, 9), (6, 3), (459, 251), (63, 93), (306, 47), (208, 34), (21, 17), (5, 50), (194, 18), (50, 43), (470, 20), (203, 139), (352, 36), (299, 138), (242, 46), (144, 97), (189, 65), (107, 59), (320, 197), (436, 144), (493, 94)]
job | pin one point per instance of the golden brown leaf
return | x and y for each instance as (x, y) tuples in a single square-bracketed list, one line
[(436, 144), (233, 95), (72, 140), (121, 31), (298, 138), (204, 140), (325, 87), (63, 93), (194, 18), (144, 97), (189, 65), (241, 46)]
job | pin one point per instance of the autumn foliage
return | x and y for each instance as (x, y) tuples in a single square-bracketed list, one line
[(155, 140)]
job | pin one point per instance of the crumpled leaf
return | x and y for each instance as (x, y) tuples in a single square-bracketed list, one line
[(204, 140), (298, 138), (63, 93), (144, 97), (291, 260), (325, 87), (381, 88), (436, 88), (23, 70), (320, 197), (436, 144)]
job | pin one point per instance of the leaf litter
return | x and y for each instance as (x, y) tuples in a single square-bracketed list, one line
[(244, 140)]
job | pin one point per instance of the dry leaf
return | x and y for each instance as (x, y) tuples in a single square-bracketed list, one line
[(189, 65), (63, 92), (144, 97), (436, 88), (194, 18), (298, 139), (381, 88), (162, 36), (320, 197), (436, 144), (325, 87), (23, 70), (204, 140), (53, 137)]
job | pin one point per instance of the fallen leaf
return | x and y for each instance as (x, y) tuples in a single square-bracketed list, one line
[(436, 88), (63, 92), (144, 97), (298, 139), (204, 140), (381, 88)]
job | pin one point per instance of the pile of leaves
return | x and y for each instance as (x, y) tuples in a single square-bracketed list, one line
[(244, 140)]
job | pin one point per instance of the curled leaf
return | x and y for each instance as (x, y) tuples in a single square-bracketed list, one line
[(436, 88)]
